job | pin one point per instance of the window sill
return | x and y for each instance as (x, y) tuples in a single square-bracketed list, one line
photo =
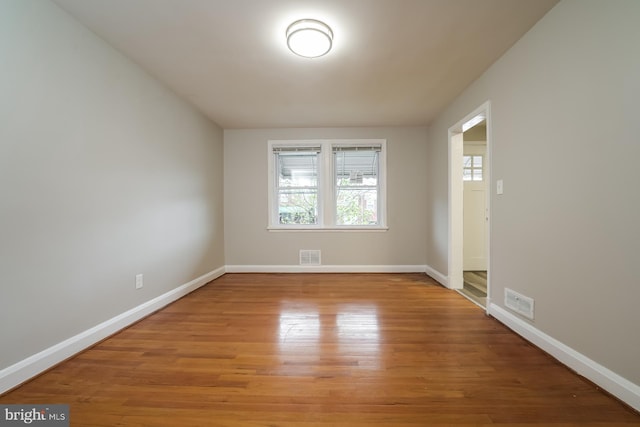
[(329, 229)]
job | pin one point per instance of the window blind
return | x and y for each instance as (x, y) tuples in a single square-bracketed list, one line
[(338, 148), (310, 149)]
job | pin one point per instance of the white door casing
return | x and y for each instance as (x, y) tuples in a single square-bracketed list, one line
[(454, 278)]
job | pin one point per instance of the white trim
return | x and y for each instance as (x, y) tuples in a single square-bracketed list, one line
[(325, 268), (436, 275), (456, 145), (455, 195), (33, 365), (613, 383), (341, 229)]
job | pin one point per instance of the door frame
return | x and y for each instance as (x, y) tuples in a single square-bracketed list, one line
[(456, 192)]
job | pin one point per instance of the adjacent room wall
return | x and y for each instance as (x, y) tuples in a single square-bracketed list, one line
[(564, 107), (249, 243), (104, 174)]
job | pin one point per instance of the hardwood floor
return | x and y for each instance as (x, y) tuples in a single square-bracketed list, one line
[(321, 350)]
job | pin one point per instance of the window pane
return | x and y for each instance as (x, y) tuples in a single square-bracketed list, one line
[(356, 168), (297, 169), (477, 174), (466, 161), (298, 206), (356, 206), (466, 174), (477, 162), (356, 180)]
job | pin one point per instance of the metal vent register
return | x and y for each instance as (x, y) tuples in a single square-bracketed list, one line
[(309, 257), (519, 303)]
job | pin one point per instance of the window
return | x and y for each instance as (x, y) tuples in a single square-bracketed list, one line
[(472, 168), (297, 184), (356, 184), (327, 184)]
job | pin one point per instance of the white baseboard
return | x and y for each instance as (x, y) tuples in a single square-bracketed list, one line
[(613, 383), (22, 371), (325, 268), (435, 274)]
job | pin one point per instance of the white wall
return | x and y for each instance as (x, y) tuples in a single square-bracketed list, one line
[(104, 174), (564, 106), (249, 243)]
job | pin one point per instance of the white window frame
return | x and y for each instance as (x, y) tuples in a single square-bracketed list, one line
[(326, 185), (473, 167)]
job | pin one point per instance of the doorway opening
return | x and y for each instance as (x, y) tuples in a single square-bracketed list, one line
[(469, 198)]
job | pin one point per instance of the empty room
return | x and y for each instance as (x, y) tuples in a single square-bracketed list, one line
[(319, 212)]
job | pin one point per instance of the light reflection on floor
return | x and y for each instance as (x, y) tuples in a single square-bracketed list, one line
[(304, 331), (299, 325)]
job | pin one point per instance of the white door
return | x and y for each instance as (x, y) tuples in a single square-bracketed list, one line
[(474, 208)]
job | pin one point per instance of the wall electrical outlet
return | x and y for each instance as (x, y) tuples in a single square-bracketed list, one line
[(139, 281)]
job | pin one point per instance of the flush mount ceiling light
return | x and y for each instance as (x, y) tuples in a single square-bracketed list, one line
[(309, 38)]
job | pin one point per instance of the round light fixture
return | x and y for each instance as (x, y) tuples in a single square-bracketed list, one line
[(309, 38)]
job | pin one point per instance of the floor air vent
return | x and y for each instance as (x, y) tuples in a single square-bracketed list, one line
[(518, 303), (309, 257)]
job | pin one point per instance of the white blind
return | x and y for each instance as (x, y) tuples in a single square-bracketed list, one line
[(309, 149), (355, 164), (357, 148)]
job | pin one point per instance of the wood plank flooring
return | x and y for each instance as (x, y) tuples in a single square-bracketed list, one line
[(262, 350)]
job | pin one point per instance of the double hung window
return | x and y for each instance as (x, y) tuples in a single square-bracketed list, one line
[(297, 184), (327, 184)]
